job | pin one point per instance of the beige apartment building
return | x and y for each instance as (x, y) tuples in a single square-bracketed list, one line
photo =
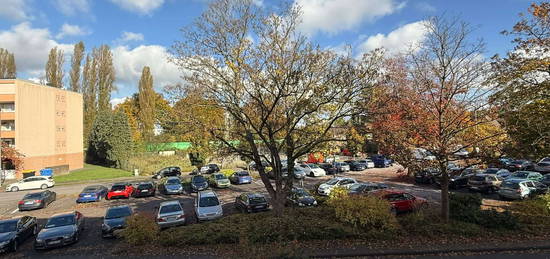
[(42, 122)]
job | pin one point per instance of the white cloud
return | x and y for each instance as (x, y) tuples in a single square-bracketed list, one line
[(116, 101), (16, 10), (139, 6), (333, 16), (71, 30), (30, 47), (130, 62), (72, 7), (425, 7), (399, 40), (130, 36)]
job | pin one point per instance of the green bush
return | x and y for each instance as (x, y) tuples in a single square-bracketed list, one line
[(366, 212), (533, 211), (140, 230), (227, 172), (428, 223), (467, 208)]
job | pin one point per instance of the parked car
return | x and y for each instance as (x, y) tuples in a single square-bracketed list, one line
[(298, 173), (208, 206), (167, 172), (172, 185), (251, 202), (520, 165), (401, 201), (426, 176), (546, 179), (356, 166), (210, 169), (37, 200), (92, 193), (484, 182), (312, 170), (219, 180), (60, 230), (13, 232), (528, 175), (381, 161), (543, 166), (505, 161), (342, 167), (496, 171), (198, 183), (241, 177), (519, 189), (170, 214), (145, 189), (368, 163), (461, 153), (365, 188), (254, 167), (458, 178), (300, 197), (326, 188), (115, 220), (33, 182), (120, 190), (329, 168)]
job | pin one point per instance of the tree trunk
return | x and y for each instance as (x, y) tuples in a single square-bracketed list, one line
[(444, 193), (278, 205)]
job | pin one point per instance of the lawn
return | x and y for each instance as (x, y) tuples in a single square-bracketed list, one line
[(92, 172)]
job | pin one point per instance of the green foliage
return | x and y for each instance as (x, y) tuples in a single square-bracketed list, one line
[(337, 194), (366, 212), (91, 172), (146, 104), (227, 172), (7, 65), (110, 142), (148, 164), (141, 230), (428, 223), (466, 208), (533, 211)]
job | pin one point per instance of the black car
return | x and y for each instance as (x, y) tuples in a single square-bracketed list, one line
[(520, 165), (540, 188), (546, 180), (251, 202), (145, 189), (458, 179), (198, 183), (329, 168), (37, 200), (365, 188), (426, 176), (356, 166), (210, 169), (167, 172), (114, 220), (60, 230), (301, 198), (13, 232)]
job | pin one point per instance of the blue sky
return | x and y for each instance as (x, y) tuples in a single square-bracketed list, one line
[(141, 31)]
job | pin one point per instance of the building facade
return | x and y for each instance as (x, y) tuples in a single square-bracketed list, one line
[(44, 123)]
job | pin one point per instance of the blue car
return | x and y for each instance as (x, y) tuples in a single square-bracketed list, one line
[(241, 177), (92, 193), (381, 161)]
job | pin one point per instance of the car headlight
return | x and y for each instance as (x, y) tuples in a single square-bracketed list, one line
[(300, 204), (314, 202), (38, 240)]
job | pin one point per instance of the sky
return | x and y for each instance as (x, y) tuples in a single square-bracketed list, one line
[(141, 32)]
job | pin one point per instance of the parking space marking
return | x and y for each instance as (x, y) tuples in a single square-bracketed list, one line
[(14, 211)]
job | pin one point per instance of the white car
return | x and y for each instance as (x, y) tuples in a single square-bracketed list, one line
[(33, 182), (368, 162), (170, 213), (313, 170), (326, 188), (208, 206)]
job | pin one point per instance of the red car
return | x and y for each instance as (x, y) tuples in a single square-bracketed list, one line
[(402, 201), (120, 190)]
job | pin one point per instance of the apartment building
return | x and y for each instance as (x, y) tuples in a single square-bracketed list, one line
[(42, 122)]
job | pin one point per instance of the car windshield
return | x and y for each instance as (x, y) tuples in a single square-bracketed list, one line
[(198, 179), (32, 196), (491, 171), (220, 177), (356, 187), (302, 193), (118, 212), (60, 221), (173, 181), (313, 166), (8, 226), (478, 178), (512, 185), (90, 189), (145, 186), (118, 188), (243, 173), (332, 182), (170, 208), (257, 199), (208, 202), (518, 162), (520, 175)]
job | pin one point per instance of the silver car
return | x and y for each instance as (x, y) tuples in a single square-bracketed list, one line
[(325, 188), (170, 213), (342, 166), (60, 230), (208, 206)]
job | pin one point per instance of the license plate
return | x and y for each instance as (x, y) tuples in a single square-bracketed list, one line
[(54, 242), (29, 202), (144, 190), (87, 196), (118, 191), (259, 207), (171, 219)]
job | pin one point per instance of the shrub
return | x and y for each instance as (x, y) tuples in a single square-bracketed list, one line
[(227, 172), (366, 212), (337, 194), (110, 141), (141, 229), (533, 212), (467, 208)]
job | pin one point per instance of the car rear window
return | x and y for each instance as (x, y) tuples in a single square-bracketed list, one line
[(257, 200), (208, 202), (8, 226), (118, 187), (199, 179), (118, 212), (145, 186), (512, 185), (491, 171), (30, 196), (243, 173), (170, 208), (520, 175)]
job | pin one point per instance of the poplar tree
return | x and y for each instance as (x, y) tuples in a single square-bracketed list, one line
[(78, 55), (7, 64), (146, 104), (105, 76), (54, 68)]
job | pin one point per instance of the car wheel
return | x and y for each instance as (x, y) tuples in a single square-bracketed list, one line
[(14, 189), (14, 246), (43, 186)]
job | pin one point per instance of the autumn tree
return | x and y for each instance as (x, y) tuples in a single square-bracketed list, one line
[(103, 57), (281, 93), (54, 68), (11, 156), (146, 104), (7, 65), (89, 94), (76, 61), (523, 77)]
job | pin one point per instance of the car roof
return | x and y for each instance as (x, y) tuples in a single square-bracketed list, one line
[(342, 178), (165, 203), (254, 194), (207, 193), (61, 214), (39, 192), (482, 175), (120, 206), (529, 172), (517, 180)]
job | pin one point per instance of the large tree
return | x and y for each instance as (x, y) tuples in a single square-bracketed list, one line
[(523, 77), (89, 93), (146, 104), (281, 94), (105, 76), (76, 61), (7, 65), (110, 141), (54, 68)]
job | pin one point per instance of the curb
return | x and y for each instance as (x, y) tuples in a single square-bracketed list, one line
[(366, 252)]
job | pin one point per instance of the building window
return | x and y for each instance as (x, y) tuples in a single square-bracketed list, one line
[(7, 107), (8, 126), (9, 141)]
